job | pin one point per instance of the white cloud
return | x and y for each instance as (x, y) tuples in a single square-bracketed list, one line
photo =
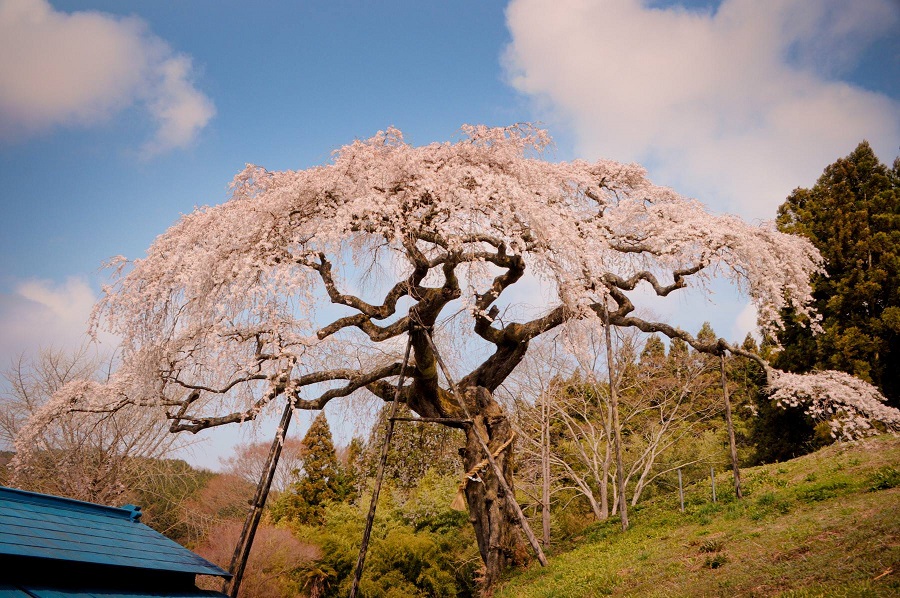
[(737, 106), (68, 303), (79, 69), (42, 314), (180, 109), (745, 324)]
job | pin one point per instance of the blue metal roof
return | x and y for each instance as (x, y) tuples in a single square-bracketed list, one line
[(40, 526), (8, 591)]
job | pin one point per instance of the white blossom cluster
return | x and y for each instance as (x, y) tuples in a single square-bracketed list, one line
[(848, 404)]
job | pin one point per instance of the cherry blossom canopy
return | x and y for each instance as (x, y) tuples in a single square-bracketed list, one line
[(263, 296)]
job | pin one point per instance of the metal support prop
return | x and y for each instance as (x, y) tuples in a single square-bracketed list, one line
[(242, 550)]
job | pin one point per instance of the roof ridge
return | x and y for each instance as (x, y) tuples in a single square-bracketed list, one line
[(70, 503)]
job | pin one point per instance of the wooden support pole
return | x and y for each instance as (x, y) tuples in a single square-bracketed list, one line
[(245, 542), (680, 490), (712, 477), (731, 443), (379, 475), (545, 469), (614, 402), (535, 545)]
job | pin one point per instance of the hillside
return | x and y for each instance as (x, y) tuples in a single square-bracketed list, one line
[(826, 524)]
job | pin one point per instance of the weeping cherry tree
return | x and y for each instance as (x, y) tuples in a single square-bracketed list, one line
[(304, 286)]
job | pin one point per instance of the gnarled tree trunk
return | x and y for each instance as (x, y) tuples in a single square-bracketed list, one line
[(490, 511)]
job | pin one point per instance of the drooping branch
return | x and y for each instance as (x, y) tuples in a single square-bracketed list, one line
[(323, 267), (219, 390), (277, 386), (363, 320)]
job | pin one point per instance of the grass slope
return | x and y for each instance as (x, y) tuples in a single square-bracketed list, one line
[(823, 525)]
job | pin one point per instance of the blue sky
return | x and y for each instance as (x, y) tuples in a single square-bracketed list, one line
[(117, 117)]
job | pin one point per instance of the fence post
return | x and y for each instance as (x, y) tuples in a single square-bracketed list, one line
[(680, 491), (712, 476)]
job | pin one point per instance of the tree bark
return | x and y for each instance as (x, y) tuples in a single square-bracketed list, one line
[(496, 518), (491, 514)]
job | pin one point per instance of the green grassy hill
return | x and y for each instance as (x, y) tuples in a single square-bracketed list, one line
[(827, 524)]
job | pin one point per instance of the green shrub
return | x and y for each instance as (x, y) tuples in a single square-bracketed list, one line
[(712, 545), (419, 546), (822, 491), (885, 478), (428, 505)]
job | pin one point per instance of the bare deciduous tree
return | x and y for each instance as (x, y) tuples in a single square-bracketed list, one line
[(248, 461), (663, 402), (95, 457)]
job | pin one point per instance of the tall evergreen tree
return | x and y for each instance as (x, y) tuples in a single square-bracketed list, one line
[(320, 481), (852, 215), (706, 333), (654, 351)]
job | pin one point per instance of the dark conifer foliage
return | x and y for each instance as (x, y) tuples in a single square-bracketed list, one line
[(852, 215), (322, 479)]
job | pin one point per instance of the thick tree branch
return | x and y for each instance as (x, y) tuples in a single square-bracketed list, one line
[(355, 381), (661, 290), (483, 318), (220, 390), (378, 312), (197, 424), (363, 322), (715, 347)]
